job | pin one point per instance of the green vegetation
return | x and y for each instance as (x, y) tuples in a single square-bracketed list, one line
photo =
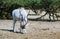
[(50, 6)]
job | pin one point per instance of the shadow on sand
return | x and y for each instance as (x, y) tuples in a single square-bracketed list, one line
[(9, 30)]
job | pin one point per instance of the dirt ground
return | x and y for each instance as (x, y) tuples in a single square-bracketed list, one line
[(35, 30)]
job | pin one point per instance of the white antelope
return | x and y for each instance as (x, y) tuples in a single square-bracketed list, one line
[(21, 15)]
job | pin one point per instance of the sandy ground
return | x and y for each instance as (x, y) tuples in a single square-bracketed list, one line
[(35, 30)]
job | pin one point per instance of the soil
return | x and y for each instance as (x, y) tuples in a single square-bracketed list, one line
[(35, 30)]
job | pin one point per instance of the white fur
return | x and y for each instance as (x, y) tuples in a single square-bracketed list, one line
[(19, 14)]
